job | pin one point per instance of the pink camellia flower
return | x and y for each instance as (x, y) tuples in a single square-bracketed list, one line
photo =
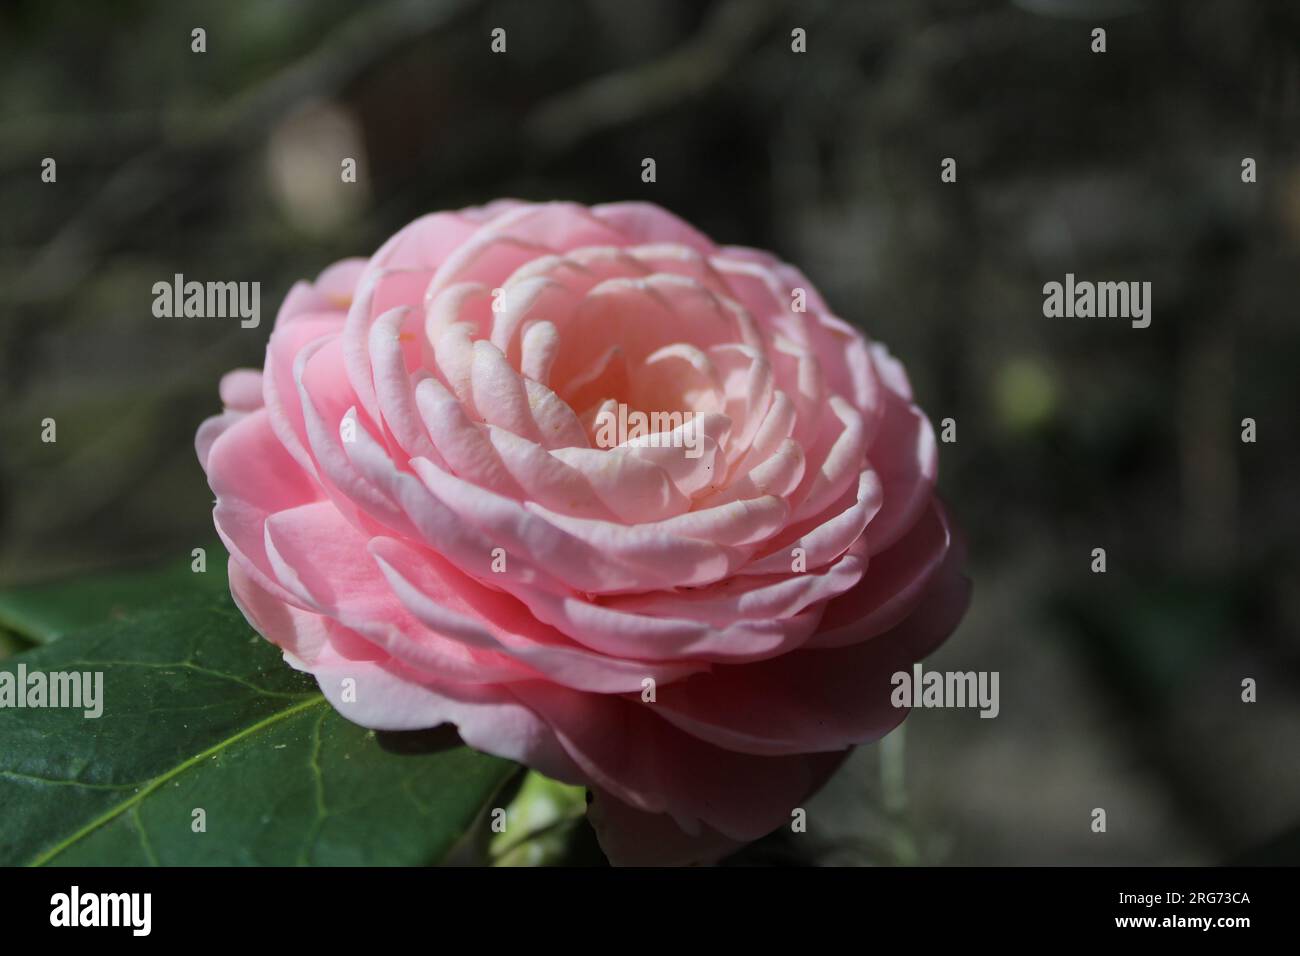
[(628, 507)]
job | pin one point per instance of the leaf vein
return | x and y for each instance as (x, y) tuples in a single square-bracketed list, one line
[(112, 813)]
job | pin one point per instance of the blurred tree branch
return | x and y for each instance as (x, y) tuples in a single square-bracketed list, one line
[(628, 95), (154, 178)]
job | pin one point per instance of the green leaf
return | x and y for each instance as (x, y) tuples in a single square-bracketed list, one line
[(538, 823), (201, 713), (11, 644), (44, 613)]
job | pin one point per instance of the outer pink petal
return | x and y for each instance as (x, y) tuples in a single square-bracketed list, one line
[(631, 837), (815, 700), (624, 748), (557, 225), (388, 696), (253, 477), (643, 223), (329, 295), (241, 390), (299, 633), (323, 561), (895, 583), (906, 457)]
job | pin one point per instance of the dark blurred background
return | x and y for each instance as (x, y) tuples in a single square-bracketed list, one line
[(1119, 690)]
